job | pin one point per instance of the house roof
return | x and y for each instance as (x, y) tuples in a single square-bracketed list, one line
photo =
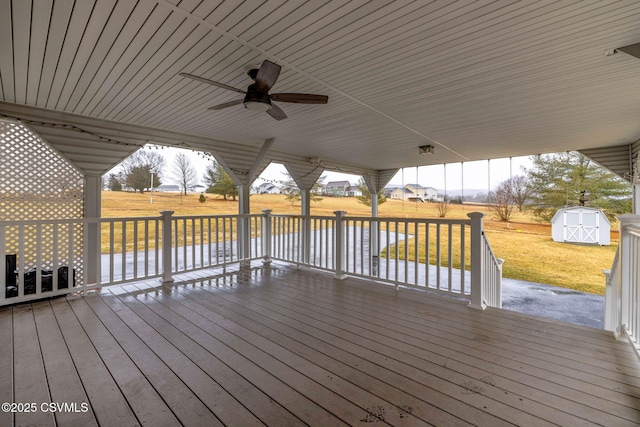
[(337, 184), (476, 80)]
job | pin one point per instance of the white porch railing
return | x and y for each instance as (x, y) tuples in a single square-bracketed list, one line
[(622, 296), (433, 254), (492, 275)]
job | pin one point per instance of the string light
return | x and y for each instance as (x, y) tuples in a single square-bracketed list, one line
[(68, 126), (150, 146)]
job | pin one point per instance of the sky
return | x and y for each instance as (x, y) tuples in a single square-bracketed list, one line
[(479, 175)]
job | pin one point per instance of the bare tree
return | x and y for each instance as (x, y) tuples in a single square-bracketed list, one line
[(501, 201), (442, 209), (519, 190), (184, 172)]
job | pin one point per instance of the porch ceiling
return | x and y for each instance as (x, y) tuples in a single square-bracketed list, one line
[(476, 79)]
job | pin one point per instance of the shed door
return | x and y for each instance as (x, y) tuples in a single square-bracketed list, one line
[(581, 227), (590, 227)]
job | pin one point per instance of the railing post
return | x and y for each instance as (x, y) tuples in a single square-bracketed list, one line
[(339, 252), (306, 226), (477, 262), (167, 276), (612, 318), (625, 272), (266, 236)]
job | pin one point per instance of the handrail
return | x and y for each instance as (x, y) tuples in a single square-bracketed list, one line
[(622, 296), (492, 272)]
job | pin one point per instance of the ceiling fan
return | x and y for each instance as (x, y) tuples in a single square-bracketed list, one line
[(257, 96)]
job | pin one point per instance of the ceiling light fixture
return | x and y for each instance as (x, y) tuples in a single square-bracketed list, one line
[(256, 100), (256, 106), (426, 150)]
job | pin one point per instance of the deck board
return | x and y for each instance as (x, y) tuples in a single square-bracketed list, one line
[(479, 343), (257, 402), (28, 370), (282, 346), (63, 380), (184, 403), (518, 395), (6, 363), (106, 399)]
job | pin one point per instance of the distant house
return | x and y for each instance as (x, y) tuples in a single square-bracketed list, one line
[(167, 188), (398, 193), (268, 188), (427, 194), (337, 188), (413, 193), (354, 191), (198, 188)]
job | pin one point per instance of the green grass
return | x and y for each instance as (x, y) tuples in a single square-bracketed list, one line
[(527, 248)]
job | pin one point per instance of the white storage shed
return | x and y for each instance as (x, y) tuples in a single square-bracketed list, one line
[(581, 225)]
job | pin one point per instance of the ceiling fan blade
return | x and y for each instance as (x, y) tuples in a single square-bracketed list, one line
[(267, 75), (211, 82), (300, 98), (226, 104), (276, 112)]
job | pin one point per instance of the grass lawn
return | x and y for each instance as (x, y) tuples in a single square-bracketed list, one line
[(527, 248)]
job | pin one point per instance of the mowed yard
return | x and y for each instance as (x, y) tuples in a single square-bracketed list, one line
[(526, 246)]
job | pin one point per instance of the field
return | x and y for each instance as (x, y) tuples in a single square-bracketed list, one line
[(527, 248)]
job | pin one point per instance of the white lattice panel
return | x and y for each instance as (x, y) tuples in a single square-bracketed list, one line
[(37, 183)]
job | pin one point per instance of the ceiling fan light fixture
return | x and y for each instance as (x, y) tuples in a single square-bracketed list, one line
[(256, 100), (257, 106)]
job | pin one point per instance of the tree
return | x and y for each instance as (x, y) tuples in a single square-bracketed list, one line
[(519, 190), (113, 182), (365, 197), (501, 200), (570, 179), (219, 181), (292, 192), (184, 172), (137, 169)]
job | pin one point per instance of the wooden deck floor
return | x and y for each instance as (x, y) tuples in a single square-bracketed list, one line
[(279, 346)]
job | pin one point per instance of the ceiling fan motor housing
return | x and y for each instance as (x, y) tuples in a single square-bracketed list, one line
[(254, 97)]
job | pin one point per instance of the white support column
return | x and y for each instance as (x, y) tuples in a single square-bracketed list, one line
[(340, 250), (636, 197), (373, 234), (477, 262), (244, 225), (92, 243), (167, 273), (305, 196), (266, 236)]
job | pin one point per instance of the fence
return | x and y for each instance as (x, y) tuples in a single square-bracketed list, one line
[(432, 254)]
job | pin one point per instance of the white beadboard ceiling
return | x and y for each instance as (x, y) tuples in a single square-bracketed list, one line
[(476, 79)]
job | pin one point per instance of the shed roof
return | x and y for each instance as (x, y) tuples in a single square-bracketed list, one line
[(560, 211)]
